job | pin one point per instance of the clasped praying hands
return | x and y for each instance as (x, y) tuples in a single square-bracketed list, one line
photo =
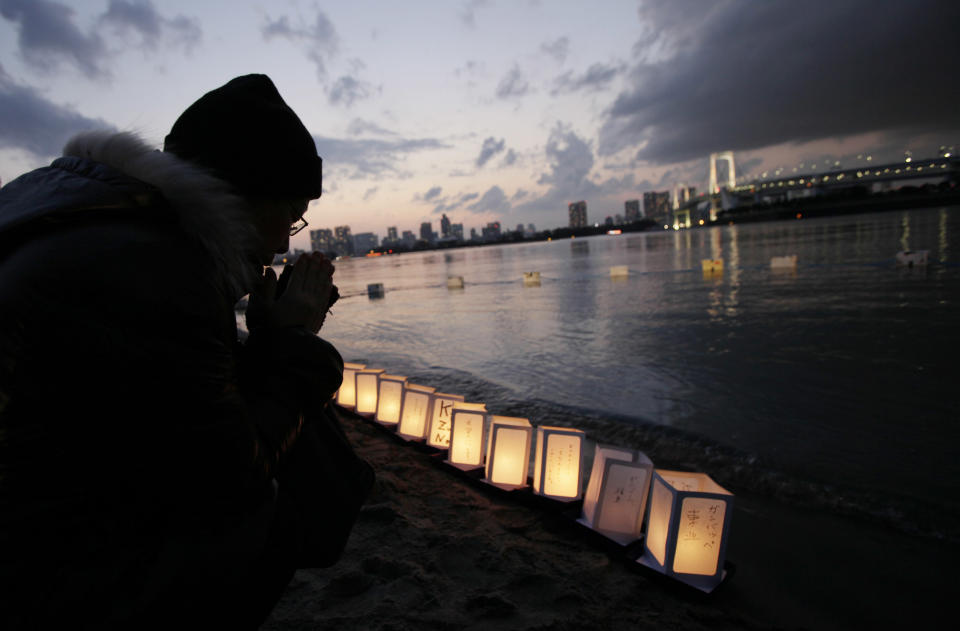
[(302, 295)]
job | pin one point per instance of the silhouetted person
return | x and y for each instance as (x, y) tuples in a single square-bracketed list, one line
[(141, 445)]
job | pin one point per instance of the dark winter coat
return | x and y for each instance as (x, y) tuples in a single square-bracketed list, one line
[(139, 441)]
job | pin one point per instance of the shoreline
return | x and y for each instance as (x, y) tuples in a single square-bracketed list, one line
[(431, 550)]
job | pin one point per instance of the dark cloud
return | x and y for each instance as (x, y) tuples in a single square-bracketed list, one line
[(468, 12), (359, 126), (448, 205), (558, 48), (570, 159), (433, 193), (491, 147), (597, 77), (346, 91), (370, 193), (510, 158), (48, 37), (493, 201), (370, 158), (513, 84), (140, 17), (319, 37), (34, 124), (748, 75)]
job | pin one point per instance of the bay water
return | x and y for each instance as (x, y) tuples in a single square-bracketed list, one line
[(832, 384)]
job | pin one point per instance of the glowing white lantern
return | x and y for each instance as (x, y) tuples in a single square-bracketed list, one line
[(784, 263), (466, 438), (347, 394), (558, 465), (531, 279), (508, 451), (619, 271), (367, 387), (712, 266), (616, 495), (441, 417), (415, 412), (389, 399), (687, 528), (454, 282)]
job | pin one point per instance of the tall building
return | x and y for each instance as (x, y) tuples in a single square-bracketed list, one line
[(473, 234), (445, 226), (578, 214), (409, 238), (632, 210), (426, 232), (321, 240), (391, 238), (656, 205), (457, 231), (343, 242), (492, 231), (364, 242)]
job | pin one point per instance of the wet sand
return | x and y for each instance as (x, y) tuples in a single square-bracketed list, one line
[(433, 550)]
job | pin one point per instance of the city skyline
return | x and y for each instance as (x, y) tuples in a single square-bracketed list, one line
[(493, 111)]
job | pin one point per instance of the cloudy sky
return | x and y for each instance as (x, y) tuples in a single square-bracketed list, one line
[(496, 109)]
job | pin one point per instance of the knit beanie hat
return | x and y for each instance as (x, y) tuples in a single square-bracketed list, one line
[(248, 136)]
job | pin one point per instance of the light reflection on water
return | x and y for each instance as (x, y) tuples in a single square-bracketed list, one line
[(840, 371)]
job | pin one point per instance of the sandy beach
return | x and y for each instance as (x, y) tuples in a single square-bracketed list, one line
[(433, 550)]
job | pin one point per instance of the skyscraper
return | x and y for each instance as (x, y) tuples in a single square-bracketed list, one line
[(457, 231), (321, 240), (364, 242), (444, 226), (632, 210), (343, 242), (426, 232), (656, 205), (578, 214)]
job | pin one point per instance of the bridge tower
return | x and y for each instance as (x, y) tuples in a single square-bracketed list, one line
[(713, 187), (731, 182)]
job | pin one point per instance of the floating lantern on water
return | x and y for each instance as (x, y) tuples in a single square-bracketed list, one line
[(784, 263), (558, 465), (508, 451), (531, 279), (375, 290), (712, 266), (415, 412), (687, 528), (619, 271), (389, 399), (616, 495), (912, 258), (367, 387), (347, 394), (466, 438), (454, 282)]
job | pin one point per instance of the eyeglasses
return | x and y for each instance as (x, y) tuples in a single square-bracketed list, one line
[(298, 224)]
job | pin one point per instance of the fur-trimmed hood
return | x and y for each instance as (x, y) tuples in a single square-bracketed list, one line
[(207, 208)]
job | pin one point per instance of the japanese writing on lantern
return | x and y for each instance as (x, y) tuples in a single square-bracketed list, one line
[(441, 425), (628, 491), (559, 460), (703, 524)]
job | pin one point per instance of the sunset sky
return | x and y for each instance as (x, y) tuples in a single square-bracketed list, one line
[(495, 110)]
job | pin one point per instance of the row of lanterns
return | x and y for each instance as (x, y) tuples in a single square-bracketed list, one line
[(686, 515)]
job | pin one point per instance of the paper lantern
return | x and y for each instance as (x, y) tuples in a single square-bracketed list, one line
[(454, 282), (389, 399), (531, 279), (616, 495), (687, 528), (619, 271), (712, 266), (911, 258), (558, 465), (347, 394), (784, 263), (508, 451), (441, 417), (466, 438), (375, 290), (415, 412), (367, 387)]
